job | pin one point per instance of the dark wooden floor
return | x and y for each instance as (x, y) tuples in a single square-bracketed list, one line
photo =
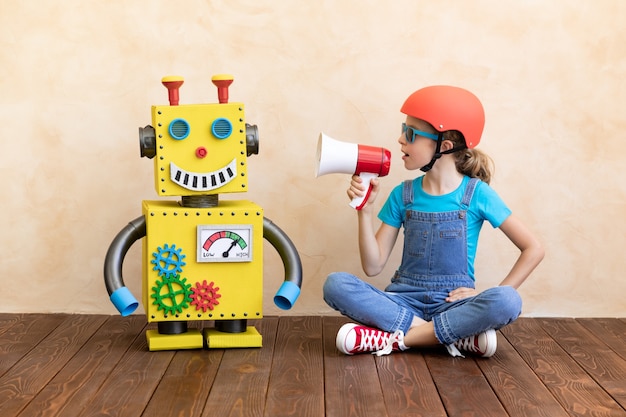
[(90, 365)]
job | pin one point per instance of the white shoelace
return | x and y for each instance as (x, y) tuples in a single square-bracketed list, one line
[(396, 337), (453, 351)]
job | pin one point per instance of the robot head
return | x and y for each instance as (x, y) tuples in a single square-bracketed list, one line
[(199, 149)]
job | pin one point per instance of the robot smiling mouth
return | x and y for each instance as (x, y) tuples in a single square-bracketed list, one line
[(198, 181)]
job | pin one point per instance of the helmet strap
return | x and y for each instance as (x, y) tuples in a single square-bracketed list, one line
[(438, 154)]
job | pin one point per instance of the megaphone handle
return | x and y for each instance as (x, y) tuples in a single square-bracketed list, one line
[(359, 202)]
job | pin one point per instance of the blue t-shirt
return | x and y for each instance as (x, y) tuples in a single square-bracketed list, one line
[(486, 204)]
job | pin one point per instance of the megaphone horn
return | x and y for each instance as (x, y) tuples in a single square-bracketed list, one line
[(337, 157)]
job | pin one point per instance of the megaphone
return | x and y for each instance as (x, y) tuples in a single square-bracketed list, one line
[(337, 157)]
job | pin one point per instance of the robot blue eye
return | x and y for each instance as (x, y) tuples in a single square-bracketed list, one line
[(179, 129), (222, 128)]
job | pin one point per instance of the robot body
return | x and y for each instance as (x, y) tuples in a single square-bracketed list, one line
[(203, 264)]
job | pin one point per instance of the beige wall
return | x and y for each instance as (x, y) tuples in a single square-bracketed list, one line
[(78, 77)]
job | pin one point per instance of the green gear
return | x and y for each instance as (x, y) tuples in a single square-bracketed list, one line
[(171, 295)]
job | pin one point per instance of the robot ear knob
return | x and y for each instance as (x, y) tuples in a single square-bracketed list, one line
[(147, 142), (252, 140)]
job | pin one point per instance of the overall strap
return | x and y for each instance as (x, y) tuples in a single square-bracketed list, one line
[(469, 192), (407, 193)]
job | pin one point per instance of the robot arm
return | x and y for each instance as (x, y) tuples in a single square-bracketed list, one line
[(121, 296), (290, 289)]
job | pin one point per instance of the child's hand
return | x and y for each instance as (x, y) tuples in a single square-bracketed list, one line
[(460, 294), (357, 189)]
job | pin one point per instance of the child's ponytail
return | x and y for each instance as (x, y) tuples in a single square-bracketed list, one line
[(471, 162), (474, 163)]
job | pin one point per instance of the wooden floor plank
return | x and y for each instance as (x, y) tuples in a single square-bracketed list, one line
[(36, 369), (610, 330), (463, 388), (407, 386), (8, 320), (77, 383), (522, 392), (241, 382), (605, 366), (352, 385), (296, 385), (186, 384), (129, 387), (23, 336), (576, 391)]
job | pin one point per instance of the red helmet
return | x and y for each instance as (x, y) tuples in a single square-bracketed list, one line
[(448, 108)]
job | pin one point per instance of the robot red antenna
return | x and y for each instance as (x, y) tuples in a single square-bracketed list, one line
[(172, 83), (222, 82)]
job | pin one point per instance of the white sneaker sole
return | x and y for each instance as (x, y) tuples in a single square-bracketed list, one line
[(491, 343), (344, 338)]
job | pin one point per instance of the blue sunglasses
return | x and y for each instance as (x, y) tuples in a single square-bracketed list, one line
[(410, 133)]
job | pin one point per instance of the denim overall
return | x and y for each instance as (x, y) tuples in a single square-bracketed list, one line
[(434, 262), (435, 245)]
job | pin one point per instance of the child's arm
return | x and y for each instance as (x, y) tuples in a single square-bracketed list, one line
[(531, 254), (373, 248), (531, 251)]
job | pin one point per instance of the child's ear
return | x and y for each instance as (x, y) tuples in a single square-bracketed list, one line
[(446, 145)]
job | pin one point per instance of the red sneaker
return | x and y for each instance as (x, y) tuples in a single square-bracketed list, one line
[(355, 338)]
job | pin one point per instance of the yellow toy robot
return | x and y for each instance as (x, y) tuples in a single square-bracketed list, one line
[(202, 257)]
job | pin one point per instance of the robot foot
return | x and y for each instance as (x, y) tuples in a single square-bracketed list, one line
[(191, 339), (223, 340)]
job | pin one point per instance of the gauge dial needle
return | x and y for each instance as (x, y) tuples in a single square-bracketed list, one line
[(232, 245)]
